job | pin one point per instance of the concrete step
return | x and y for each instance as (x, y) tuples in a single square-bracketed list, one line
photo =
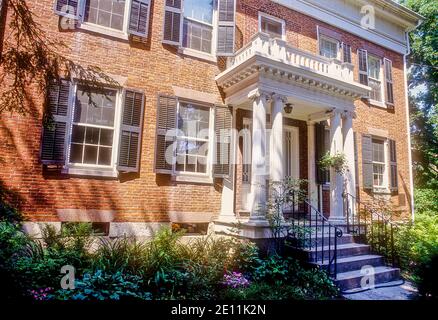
[(355, 262), (352, 279), (343, 250)]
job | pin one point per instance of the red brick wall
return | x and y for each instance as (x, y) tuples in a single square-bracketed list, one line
[(154, 68)]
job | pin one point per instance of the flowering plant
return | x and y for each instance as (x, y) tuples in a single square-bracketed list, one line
[(235, 280), (41, 294)]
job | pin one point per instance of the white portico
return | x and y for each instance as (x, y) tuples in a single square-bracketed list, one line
[(262, 77)]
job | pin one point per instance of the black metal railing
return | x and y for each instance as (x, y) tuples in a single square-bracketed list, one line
[(310, 231), (367, 225)]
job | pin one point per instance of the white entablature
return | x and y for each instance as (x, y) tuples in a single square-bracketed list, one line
[(268, 63)]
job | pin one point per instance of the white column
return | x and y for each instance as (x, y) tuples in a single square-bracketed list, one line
[(347, 130), (336, 179), (277, 168), (311, 164), (259, 165)]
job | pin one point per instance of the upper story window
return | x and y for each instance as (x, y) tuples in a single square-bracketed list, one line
[(192, 150), (106, 13), (374, 73), (328, 47), (272, 26), (198, 25), (115, 18)]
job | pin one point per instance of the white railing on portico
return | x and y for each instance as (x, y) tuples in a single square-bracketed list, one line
[(278, 50)]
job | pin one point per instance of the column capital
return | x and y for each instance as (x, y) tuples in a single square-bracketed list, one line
[(349, 114), (335, 112), (279, 97), (257, 94)]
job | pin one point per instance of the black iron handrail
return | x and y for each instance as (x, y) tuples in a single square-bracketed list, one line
[(371, 227), (309, 230)]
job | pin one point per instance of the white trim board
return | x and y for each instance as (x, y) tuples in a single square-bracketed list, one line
[(344, 24)]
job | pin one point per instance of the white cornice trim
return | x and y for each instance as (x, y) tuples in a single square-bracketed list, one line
[(343, 23)]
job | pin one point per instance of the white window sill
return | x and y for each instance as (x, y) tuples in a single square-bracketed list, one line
[(381, 190), (197, 54), (106, 31), (379, 104), (92, 172), (193, 179)]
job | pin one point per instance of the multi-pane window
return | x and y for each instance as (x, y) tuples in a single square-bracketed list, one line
[(193, 138), (106, 13), (271, 27), (93, 127), (328, 47), (198, 25), (374, 80), (378, 163)]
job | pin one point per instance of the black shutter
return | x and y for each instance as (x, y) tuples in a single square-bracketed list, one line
[(389, 89), (393, 165), (172, 22), (131, 128), (363, 66), (226, 27), (166, 120), (139, 18), (367, 161), (223, 124), (346, 53), (67, 8), (322, 175), (356, 159), (54, 137)]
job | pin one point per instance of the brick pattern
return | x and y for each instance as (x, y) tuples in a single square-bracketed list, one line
[(155, 68)]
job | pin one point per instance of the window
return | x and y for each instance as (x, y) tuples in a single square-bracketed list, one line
[(98, 229), (192, 150), (328, 47), (198, 25), (106, 13), (116, 18), (374, 78), (378, 163), (92, 135), (191, 228), (271, 26)]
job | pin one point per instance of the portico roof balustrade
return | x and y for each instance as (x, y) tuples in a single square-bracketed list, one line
[(273, 65)]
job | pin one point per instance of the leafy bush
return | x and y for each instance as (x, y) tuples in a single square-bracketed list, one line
[(426, 200), (417, 245), (104, 286)]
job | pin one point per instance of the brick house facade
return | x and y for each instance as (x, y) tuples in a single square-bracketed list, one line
[(137, 202)]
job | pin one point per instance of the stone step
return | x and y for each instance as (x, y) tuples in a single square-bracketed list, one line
[(355, 262), (343, 250), (352, 279)]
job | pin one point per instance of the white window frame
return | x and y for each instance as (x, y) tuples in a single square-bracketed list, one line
[(91, 169), (384, 188), (106, 30), (323, 37), (196, 53), (207, 177), (266, 16), (381, 102)]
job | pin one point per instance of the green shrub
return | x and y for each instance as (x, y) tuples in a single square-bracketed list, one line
[(103, 286), (426, 200), (417, 245), (263, 291)]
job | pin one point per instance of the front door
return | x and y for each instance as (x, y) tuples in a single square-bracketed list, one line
[(291, 163)]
